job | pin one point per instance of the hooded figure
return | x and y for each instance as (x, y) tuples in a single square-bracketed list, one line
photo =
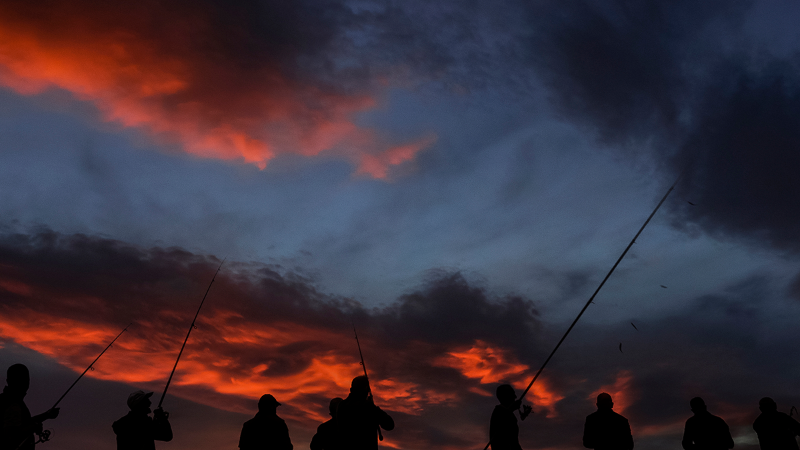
[(18, 426), (327, 437), (605, 429), (776, 430), (266, 430), (705, 431), (359, 418), (137, 430)]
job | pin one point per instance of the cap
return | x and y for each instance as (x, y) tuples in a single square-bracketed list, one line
[(360, 383), (137, 397), (268, 399)]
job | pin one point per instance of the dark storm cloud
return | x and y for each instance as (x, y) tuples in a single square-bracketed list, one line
[(621, 66), (244, 80), (679, 82), (436, 354), (448, 308), (727, 348), (263, 329), (743, 155)]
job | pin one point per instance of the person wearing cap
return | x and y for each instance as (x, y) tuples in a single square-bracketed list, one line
[(503, 427), (137, 430), (605, 429), (327, 437), (266, 430), (359, 417), (775, 430), (705, 431), (18, 426)]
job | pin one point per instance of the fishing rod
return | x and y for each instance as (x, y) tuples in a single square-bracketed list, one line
[(44, 435), (380, 435), (191, 327), (91, 366), (596, 291)]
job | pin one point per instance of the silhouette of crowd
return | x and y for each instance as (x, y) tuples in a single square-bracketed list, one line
[(356, 422)]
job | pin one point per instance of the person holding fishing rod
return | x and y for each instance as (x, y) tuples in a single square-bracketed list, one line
[(503, 427), (360, 420), (591, 299), (137, 430), (359, 417), (18, 426)]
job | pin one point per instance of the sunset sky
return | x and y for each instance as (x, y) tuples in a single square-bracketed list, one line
[(453, 178)]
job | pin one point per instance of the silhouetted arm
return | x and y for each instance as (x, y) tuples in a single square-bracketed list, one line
[(385, 421), (317, 440), (49, 414), (162, 430), (588, 434), (285, 441), (244, 437), (794, 426), (688, 437), (728, 437), (629, 437)]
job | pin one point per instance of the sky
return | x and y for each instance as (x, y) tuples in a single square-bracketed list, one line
[(453, 178)]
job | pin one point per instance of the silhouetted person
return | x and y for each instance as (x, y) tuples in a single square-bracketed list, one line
[(776, 430), (503, 428), (327, 437), (266, 430), (605, 429), (705, 431), (359, 418), (18, 426), (137, 430)]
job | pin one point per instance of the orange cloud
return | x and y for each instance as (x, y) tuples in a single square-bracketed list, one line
[(15, 287), (409, 398), (495, 365), (166, 71), (489, 364), (144, 357), (621, 391)]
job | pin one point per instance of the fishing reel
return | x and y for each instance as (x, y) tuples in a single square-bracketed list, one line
[(160, 413), (42, 436)]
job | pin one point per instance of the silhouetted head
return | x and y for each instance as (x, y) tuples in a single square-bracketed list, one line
[(698, 405), (140, 401), (604, 401), (506, 394), (267, 403), (334, 405), (360, 386), (18, 378), (767, 404)]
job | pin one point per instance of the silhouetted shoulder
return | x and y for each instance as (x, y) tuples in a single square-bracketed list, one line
[(776, 431), (606, 429)]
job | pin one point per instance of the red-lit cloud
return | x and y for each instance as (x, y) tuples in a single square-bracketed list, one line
[(490, 365), (262, 331), (622, 391), (494, 365), (219, 87)]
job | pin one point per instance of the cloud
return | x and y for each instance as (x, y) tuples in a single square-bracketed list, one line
[(245, 80), (742, 155), (262, 329), (662, 81), (435, 355)]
